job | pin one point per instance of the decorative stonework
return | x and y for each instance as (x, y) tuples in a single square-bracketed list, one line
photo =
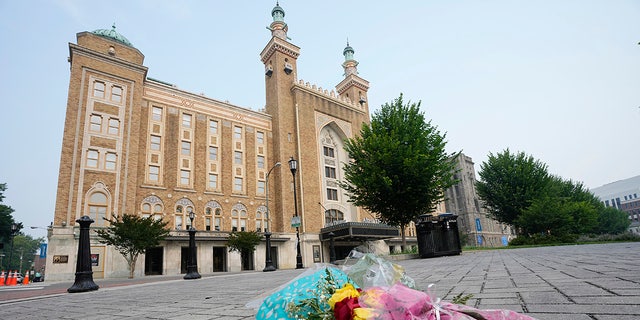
[(329, 95)]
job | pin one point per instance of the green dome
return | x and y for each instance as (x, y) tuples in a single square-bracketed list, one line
[(113, 35), (348, 52), (277, 13)]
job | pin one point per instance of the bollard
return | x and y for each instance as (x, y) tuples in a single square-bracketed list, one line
[(84, 274)]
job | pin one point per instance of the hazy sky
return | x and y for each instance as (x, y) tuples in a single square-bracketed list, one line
[(558, 80)]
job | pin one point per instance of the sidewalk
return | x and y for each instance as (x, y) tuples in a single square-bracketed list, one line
[(569, 282)]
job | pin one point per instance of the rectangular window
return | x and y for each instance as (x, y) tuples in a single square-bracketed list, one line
[(261, 162), (260, 137), (261, 187), (258, 226), (114, 126), (92, 158), (213, 181), (330, 172), (116, 94), (155, 143), (178, 222), (207, 224), (217, 224), (184, 177), (234, 225), (243, 225), (154, 173), (213, 153), (186, 148), (156, 114), (237, 184), (110, 161), (237, 132), (213, 127), (186, 120), (332, 194), (98, 89), (237, 157), (96, 123), (328, 152)]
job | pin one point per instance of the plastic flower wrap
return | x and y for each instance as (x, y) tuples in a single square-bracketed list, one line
[(372, 288)]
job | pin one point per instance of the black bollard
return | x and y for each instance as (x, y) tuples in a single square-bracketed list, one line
[(84, 274)]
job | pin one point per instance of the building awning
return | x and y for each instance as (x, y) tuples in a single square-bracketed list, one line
[(359, 231)]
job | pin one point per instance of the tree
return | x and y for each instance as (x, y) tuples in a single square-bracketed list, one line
[(612, 221), (24, 250), (509, 183), (132, 235), (243, 242), (399, 168), (6, 219)]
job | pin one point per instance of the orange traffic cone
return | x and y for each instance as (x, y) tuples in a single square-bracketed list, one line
[(11, 279), (2, 276), (25, 281)]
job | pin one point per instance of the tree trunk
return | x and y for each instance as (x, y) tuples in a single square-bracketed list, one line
[(132, 265)]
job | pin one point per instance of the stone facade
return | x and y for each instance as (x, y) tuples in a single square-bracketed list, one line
[(136, 145), (473, 223)]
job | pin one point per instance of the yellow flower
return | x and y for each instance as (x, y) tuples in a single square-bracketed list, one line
[(348, 291), (363, 313)]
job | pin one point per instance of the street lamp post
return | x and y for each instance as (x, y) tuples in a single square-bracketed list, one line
[(293, 166), (14, 231), (192, 260), (268, 263)]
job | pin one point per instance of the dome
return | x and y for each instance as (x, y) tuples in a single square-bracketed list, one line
[(348, 52), (277, 13), (113, 35)]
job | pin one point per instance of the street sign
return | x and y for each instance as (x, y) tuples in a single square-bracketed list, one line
[(295, 222)]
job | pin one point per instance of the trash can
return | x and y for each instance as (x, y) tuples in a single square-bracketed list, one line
[(438, 235)]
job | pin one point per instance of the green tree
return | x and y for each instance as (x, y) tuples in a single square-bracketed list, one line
[(509, 183), (243, 242), (6, 219), (132, 235), (545, 216), (399, 168), (612, 221), (24, 250)]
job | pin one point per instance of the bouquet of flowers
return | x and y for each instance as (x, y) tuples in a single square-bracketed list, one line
[(373, 288)]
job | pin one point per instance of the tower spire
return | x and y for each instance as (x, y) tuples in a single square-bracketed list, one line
[(350, 65), (278, 27)]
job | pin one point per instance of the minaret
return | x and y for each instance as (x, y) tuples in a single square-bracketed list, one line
[(280, 73), (353, 87)]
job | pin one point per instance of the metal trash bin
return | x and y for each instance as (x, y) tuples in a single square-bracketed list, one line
[(438, 235)]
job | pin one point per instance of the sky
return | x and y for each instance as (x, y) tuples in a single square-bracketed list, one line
[(556, 79)]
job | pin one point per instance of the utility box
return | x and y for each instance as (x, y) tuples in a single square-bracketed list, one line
[(438, 235)]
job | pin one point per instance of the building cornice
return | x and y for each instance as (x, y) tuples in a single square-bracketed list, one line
[(277, 44), (75, 49), (352, 80)]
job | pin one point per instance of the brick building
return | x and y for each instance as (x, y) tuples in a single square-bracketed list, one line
[(136, 145)]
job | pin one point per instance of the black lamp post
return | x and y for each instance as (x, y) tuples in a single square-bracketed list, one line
[(192, 260), (268, 263), (84, 274), (14, 231), (332, 248), (293, 166)]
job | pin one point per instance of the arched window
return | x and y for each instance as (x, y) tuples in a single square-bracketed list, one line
[(239, 217), (183, 207), (152, 207), (212, 212), (98, 208), (332, 215)]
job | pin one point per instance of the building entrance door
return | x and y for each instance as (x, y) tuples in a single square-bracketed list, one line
[(219, 259), (153, 261)]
